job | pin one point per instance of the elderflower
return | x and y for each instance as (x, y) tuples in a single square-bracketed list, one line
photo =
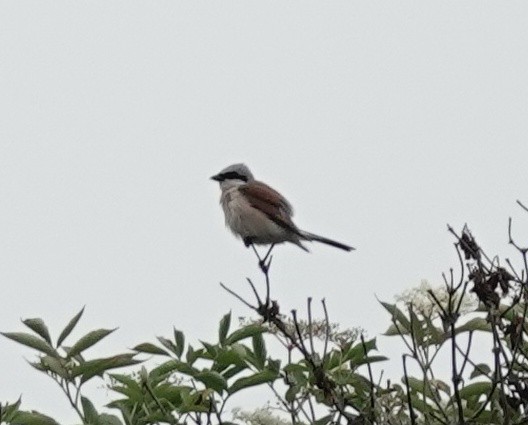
[(260, 416), (425, 304), (318, 329)]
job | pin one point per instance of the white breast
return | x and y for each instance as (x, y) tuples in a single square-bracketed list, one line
[(246, 221)]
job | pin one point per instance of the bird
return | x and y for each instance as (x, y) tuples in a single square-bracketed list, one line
[(260, 215)]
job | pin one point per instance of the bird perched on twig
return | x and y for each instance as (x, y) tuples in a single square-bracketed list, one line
[(258, 214)]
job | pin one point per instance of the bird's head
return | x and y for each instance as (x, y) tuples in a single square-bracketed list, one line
[(234, 175)]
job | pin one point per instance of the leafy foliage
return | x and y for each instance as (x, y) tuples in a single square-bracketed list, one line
[(325, 375), (68, 367)]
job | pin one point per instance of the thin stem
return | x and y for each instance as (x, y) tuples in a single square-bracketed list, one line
[(371, 381), (522, 205), (299, 334), (455, 377), (238, 297), (409, 400), (254, 291), (310, 324), (327, 328), (65, 386)]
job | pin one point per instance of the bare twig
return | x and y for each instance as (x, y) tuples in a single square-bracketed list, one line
[(238, 297), (522, 205), (254, 291)]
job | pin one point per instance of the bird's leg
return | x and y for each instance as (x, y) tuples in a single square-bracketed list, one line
[(265, 269), (263, 262), (248, 241), (268, 254)]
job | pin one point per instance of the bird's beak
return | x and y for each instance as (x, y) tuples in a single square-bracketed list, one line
[(216, 177)]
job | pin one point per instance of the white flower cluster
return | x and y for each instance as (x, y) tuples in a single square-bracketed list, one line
[(423, 303), (318, 330), (260, 416)]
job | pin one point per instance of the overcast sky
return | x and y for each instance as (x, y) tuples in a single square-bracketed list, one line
[(381, 122)]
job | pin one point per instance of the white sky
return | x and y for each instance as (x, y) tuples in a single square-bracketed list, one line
[(380, 121)]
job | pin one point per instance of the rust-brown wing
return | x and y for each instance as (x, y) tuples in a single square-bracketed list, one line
[(270, 202)]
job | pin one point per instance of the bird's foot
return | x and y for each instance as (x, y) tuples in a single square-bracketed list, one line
[(264, 266), (265, 262)]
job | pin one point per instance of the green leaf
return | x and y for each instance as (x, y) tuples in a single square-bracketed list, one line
[(295, 367), (8, 411), (393, 330), (133, 390), (346, 377), (403, 324), (33, 418), (88, 340), (442, 386), (371, 359), (179, 341), (417, 328), (170, 393), (223, 330), (106, 419), (250, 381), (233, 370), (167, 343), (480, 369), (210, 349), (195, 401), (298, 378), (274, 365), (54, 365), (333, 359), (69, 327), (38, 326), (124, 379), (419, 404), (259, 348), (96, 367), (191, 355), (475, 324), (227, 357), (291, 393), (245, 332), (90, 414), (171, 366), (325, 420), (149, 348), (486, 417), (433, 333), (476, 389), (31, 341), (357, 353), (132, 396), (212, 380), (419, 386), (38, 366)]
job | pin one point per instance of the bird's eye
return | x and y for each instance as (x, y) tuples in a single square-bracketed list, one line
[(233, 175)]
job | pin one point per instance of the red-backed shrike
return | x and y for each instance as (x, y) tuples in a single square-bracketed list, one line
[(258, 214)]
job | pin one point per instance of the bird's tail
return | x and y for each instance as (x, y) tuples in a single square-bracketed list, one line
[(312, 237)]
